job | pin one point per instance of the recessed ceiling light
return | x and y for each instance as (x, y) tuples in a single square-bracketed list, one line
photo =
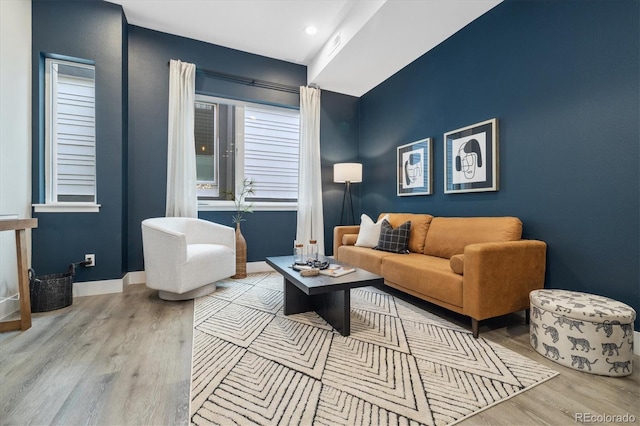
[(310, 30)]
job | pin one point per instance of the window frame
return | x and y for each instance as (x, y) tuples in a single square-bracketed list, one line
[(229, 205), (51, 203)]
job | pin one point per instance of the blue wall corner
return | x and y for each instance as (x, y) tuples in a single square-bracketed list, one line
[(563, 80)]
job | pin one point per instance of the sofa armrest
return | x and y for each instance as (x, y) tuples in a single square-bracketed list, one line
[(339, 232), (498, 277)]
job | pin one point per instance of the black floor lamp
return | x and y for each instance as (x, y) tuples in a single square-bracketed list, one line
[(347, 173)]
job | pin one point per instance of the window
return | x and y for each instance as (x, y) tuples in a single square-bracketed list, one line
[(237, 140), (70, 136), (206, 138)]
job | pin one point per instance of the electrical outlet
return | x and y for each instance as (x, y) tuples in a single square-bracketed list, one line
[(91, 258)]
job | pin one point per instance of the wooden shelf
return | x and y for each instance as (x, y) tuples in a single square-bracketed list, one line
[(20, 226)]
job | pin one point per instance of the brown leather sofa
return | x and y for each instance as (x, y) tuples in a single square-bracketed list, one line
[(475, 266)]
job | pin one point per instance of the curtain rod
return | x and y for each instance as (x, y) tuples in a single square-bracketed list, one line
[(248, 81)]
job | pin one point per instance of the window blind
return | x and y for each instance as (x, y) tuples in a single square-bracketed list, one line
[(73, 132), (271, 150)]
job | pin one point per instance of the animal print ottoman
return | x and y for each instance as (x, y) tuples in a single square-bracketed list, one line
[(582, 331)]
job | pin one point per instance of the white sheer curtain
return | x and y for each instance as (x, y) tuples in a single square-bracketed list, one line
[(310, 218), (181, 160)]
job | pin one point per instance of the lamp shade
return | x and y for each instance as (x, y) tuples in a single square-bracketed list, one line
[(347, 172)]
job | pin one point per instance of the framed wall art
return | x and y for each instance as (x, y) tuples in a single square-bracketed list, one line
[(414, 165), (471, 158)]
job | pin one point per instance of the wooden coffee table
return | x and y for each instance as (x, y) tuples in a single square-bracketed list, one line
[(329, 297)]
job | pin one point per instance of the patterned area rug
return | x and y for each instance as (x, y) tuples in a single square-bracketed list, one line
[(400, 365)]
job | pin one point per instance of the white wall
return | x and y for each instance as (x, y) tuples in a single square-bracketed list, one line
[(15, 135)]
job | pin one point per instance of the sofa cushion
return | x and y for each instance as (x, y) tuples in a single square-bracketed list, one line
[(457, 263), (449, 236), (349, 239), (428, 275), (364, 258), (394, 240), (419, 227), (369, 231)]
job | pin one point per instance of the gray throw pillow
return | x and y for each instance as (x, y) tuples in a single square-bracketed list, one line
[(394, 240)]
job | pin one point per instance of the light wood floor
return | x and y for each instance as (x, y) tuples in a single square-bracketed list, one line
[(125, 359), (119, 359)]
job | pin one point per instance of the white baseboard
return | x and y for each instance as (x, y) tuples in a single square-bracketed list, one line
[(135, 277), (8, 308), (254, 267), (94, 288)]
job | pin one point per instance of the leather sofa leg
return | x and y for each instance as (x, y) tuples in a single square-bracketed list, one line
[(527, 316), (475, 327)]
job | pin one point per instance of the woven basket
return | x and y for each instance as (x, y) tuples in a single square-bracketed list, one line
[(241, 254), (51, 292)]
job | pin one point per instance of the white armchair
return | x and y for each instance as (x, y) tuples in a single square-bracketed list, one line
[(184, 257)]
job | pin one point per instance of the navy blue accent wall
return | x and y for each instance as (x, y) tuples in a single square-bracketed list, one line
[(94, 31), (267, 233), (562, 79)]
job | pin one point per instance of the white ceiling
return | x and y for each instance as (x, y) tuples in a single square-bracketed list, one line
[(359, 43)]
